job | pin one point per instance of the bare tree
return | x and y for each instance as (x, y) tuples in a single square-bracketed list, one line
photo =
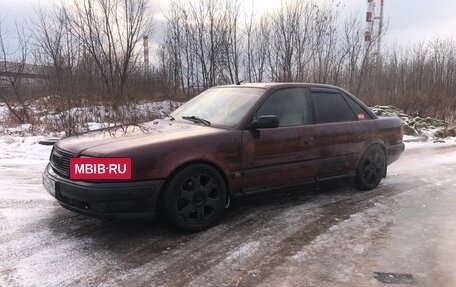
[(15, 94), (91, 49), (111, 32)]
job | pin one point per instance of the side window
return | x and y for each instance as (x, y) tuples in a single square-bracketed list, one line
[(289, 105), (359, 111), (331, 107)]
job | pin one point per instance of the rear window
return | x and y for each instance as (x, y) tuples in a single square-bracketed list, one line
[(331, 108)]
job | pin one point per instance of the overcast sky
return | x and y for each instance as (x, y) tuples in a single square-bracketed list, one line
[(409, 21), (415, 20)]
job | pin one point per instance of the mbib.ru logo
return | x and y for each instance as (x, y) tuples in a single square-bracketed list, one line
[(100, 168)]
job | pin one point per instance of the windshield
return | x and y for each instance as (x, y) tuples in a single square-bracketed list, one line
[(220, 107)]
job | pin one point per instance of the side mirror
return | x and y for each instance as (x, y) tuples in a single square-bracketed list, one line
[(264, 122)]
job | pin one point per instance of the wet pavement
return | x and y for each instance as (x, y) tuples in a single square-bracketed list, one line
[(327, 235)]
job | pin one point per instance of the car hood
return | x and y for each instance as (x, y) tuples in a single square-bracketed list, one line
[(114, 140)]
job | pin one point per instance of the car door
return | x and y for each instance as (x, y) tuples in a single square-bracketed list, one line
[(335, 125), (363, 130), (285, 155)]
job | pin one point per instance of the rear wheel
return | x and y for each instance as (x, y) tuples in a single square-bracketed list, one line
[(195, 197), (371, 168)]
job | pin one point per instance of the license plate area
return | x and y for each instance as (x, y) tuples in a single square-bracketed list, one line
[(49, 185)]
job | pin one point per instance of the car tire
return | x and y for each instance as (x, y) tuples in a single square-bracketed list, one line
[(194, 198), (371, 168)]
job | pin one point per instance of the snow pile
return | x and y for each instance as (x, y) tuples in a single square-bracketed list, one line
[(79, 120), (418, 128), (100, 113), (57, 123), (3, 111), (15, 150)]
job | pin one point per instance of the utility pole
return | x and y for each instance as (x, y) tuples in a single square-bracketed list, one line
[(146, 53), (374, 25)]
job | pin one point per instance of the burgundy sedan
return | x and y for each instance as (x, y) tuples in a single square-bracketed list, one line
[(228, 141)]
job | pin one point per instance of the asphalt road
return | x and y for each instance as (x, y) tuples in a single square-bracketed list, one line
[(329, 235)]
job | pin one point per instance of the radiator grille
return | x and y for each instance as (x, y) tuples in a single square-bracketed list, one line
[(60, 161)]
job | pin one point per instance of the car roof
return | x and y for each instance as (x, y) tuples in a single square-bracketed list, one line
[(281, 84), (274, 86)]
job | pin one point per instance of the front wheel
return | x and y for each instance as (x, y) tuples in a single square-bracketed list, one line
[(195, 197), (371, 168)]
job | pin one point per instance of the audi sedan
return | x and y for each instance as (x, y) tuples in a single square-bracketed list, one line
[(228, 141)]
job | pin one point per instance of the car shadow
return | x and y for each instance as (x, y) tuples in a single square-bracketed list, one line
[(136, 242), (290, 196)]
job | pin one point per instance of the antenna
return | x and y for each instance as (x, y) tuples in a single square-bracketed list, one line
[(374, 24)]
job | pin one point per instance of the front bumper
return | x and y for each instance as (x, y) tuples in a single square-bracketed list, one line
[(104, 199)]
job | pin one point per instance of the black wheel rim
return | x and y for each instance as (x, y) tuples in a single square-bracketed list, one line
[(198, 198), (373, 166)]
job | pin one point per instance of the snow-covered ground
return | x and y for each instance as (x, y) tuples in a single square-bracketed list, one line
[(88, 118), (330, 236), (338, 237)]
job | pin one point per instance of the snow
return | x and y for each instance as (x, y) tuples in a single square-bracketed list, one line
[(367, 222), (243, 251), (24, 204), (3, 110), (95, 113), (88, 118), (419, 141), (42, 252)]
